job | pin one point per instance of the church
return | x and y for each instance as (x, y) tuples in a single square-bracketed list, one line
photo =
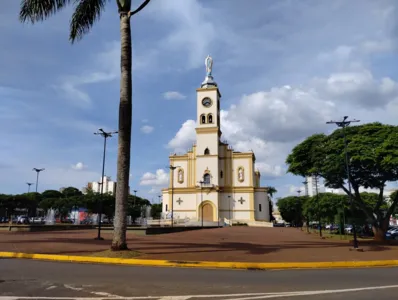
[(212, 182)]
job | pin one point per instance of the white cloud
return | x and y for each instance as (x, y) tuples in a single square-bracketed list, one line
[(184, 138), (173, 95), (160, 178), (147, 129), (79, 166)]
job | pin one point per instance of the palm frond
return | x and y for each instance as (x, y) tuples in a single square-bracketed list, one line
[(39, 10), (84, 17)]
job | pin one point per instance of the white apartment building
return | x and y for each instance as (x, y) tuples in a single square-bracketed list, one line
[(109, 186)]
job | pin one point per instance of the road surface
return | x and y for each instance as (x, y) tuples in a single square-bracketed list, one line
[(28, 279)]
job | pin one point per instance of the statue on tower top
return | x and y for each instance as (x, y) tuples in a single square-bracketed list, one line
[(209, 65), (209, 81)]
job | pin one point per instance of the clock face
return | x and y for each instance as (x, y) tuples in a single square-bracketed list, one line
[(206, 102)]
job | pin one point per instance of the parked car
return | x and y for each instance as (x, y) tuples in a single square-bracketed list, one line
[(392, 234)]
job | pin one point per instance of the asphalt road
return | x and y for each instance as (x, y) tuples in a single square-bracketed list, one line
[(27, 279)]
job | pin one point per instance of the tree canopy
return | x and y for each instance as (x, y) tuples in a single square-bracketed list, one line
[(373, 158)]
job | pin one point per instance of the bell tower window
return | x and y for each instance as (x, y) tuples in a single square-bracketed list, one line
[(207, 151), (203, 119), (210, 118)]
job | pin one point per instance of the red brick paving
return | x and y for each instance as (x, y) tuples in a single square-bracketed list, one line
[(222, 244)]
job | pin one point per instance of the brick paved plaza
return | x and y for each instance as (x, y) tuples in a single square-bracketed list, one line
[(222, 244)]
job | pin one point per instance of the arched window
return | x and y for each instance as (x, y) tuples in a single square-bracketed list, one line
[(221, 174), (207, 151), (206, 178), (259, 207), (210, 118), (202, 119)]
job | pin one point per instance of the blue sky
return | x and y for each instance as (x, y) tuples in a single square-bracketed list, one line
[(284, 67)]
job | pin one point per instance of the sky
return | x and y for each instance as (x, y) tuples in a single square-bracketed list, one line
[(283, 67)]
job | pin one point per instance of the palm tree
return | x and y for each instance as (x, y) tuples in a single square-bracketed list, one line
[(86, 13), (271, 191)]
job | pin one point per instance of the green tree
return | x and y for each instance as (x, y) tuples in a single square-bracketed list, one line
[(51, 194), (71, 191), (291, 209), (373, 153), (324, 207), (85, 14), (156, 211)]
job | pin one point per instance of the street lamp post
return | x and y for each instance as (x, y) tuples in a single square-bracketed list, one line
[(298, 192), (229, 205), (37, 176), (105, 135), (305, 182), (343, 124), (29, 184), (172, 168), (135, 196), (319, 206), (201, 200)]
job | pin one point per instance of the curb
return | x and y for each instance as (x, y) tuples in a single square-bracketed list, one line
[(203, 264)]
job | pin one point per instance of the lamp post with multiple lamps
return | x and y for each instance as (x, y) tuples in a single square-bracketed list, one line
[(37, 176), (172, 168), (37, 183), (135, 197), (29, 184), (105, 135), (343, 124)]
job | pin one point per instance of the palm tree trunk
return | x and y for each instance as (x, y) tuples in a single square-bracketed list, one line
[(123, 159)]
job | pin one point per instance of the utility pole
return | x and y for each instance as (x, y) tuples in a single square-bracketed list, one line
[(343, 124), (29, 184), (172, 168), (105, 135), (37, 176)]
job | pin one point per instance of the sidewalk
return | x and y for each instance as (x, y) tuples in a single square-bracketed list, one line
[(223, 244)]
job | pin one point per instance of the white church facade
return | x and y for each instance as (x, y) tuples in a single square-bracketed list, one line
[(212, 182)]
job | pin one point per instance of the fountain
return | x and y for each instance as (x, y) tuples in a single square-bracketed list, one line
[(50, 217), (145, 215)]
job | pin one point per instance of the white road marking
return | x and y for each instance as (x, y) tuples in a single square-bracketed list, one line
[(105, 294), (322, 292), (175, 298), (250, 296), (67, 286)]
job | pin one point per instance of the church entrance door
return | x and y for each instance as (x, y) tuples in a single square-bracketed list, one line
[(207, 212)]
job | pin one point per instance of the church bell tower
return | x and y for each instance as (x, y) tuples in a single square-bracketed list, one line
[(208, 124)]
